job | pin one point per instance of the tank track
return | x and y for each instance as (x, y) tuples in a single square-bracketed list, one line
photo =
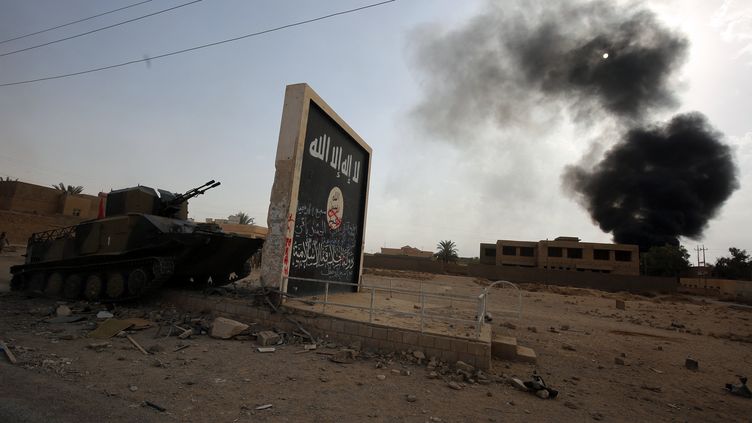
[(111, 281)]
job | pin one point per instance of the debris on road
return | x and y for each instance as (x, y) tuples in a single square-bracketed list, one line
[(344, 356), (224, 328), (267, 337), (109, 328), (155, 406), (137, 345), (104, 314), (8, 352), (741, 390), (266, 349), (691, 364), (98, 346), (264, 407), (536, 386), (63, 311)]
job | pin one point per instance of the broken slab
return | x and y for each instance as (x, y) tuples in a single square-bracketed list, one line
[(224, 328), (526, 355), (504, 347), (267, 337)]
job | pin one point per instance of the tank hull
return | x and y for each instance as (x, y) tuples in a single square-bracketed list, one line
[(128, 256)]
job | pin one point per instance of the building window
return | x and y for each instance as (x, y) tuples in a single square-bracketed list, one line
[(575, 253), (601, 255), (489, 252), (623, 255), (76, 212), (554, 252), (527, 251), (509, 251)]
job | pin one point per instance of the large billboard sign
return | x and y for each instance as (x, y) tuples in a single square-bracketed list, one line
[(321, 183)]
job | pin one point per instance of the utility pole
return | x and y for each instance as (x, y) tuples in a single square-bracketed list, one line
[(701, 265)]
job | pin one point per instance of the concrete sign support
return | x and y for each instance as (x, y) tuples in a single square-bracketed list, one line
[(317, 210)]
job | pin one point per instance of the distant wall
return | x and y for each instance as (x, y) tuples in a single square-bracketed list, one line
[(415, 264), (20, 226), (605, 282), (719, 287)]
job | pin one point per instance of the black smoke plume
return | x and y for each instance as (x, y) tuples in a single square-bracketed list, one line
[(521, 62), (659, 182)]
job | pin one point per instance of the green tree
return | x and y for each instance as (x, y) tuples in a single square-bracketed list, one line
[(244, 219), (668, 260), (447, 251), (738, 266), (69, 189)]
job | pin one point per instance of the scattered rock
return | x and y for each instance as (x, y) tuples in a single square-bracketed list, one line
[(224, 328), (518, 384), (63, 311), (570, 404), (621, 305), (98, 346), (568, 347), (508, 325), (543, 394), (267, 337), (344, 356), (691, 364), (155, 348), (381, 377), (105, 315), (532, 329), (488, 317), (411, 398), (433, 375), (419, 355), (620, 361), (454, 385), (461, 365), (133, 388), (186, 334)]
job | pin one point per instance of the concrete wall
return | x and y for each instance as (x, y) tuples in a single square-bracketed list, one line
[(30, 198), (414, 264), (251, 231), (605, 282), (371, 336), (20, 226), (719, 287)]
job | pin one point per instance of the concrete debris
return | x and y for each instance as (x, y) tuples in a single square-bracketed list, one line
[(411, 398), (105, 315), (518, 384), (568, 347), (542, 394), (433, 375), (461, 365), (419, 355), (691, 364), (63, 311), (266, 349), (741, 390), (620, 361), (264, 407), (186, 334), (224, 328), (309, 347), (381, 377), (267, 337), (133, 388), (344, 356), (98, 346), (8, 353), (154, 406), (454, 385)]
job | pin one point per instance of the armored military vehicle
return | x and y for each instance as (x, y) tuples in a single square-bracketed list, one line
[(143, 242)]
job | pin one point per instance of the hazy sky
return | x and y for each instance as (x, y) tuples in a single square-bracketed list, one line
[(177, 122)]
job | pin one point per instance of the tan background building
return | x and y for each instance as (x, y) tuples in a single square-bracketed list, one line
[(29, 198), (406, 251), (564, 253)]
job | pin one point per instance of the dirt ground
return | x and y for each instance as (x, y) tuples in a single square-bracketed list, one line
[(578, 335)]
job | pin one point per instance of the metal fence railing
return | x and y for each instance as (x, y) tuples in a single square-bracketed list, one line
[(475, 304)]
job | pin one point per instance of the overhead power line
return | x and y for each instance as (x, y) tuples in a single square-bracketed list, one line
[(74, 22), (174, 53), (100, 29)]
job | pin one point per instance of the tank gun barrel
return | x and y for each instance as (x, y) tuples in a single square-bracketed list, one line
[(175, 203)]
